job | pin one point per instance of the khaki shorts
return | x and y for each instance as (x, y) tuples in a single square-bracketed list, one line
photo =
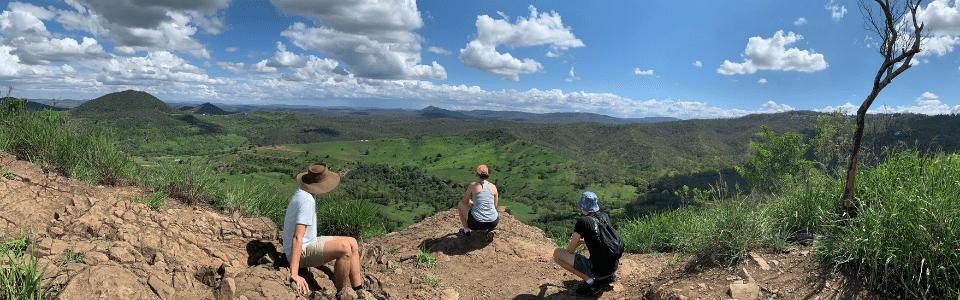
[(312, 255)]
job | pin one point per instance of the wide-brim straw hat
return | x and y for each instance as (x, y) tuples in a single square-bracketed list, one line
[(318, 179)]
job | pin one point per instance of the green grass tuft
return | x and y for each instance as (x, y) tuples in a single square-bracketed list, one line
[(424, 259), (20, 276)]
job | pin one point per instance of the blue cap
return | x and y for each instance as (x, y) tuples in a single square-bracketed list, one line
[(588, 202)]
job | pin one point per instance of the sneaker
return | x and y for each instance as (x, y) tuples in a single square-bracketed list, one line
[(607, 281), (588, 289), (490, 235), (464, 233)]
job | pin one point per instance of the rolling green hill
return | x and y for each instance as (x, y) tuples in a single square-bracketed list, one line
[(122, 104)]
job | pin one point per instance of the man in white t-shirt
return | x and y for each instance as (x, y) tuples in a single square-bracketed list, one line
[(303, 247)]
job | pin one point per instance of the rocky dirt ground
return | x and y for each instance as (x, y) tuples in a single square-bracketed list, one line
[(191, 252)]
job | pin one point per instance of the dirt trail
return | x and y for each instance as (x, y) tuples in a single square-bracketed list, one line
[(184, 252)]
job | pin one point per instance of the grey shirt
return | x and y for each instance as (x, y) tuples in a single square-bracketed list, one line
[(484, 208)]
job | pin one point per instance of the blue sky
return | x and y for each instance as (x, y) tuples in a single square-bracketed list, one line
[(683, 59)]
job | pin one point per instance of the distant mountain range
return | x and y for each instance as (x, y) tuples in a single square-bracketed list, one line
[(430, 112)]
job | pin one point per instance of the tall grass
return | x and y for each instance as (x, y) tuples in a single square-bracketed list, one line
[(189, 181), (356, 218), (48, 140), (906, 238), (907, 235), (20, 276), (255, 199), (730, 226)]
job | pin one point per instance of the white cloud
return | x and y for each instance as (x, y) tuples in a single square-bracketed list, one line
[(572, 77), (938, 45), (67, 69), (486, 58), (157, 66), (551, 54), (762, 80), (939, 18), (638, 72), (261, 67), (542, 29), (134, 25), (43, 51), (836, 11), (9, 64), (773, 107), (374, 38), (698, 64), (27, 35), (235, 68), (847, 108), (315, 70), (800, 21), (283, 59), (150, 14), (230, 49), (438, 50), (537, 29), (20, 21), (942, 24), (928, 104), (128, 51), (772, 54)]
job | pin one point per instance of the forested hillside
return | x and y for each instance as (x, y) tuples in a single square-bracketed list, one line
[(637, 168)]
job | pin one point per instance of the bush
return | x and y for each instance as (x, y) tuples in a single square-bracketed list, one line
[(782, 156)]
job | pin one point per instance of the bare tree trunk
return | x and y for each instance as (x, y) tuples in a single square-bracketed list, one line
[(895, 49), (855, 153)]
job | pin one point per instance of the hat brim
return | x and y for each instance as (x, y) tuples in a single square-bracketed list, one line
[(329, 182)]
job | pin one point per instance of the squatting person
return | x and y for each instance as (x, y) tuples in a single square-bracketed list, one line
[(478, 208), (598, 270)]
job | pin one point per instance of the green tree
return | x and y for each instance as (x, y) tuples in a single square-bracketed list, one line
[(832, 138), (772, 161)]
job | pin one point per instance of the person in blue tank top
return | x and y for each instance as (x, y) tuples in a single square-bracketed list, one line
[(478, 209)]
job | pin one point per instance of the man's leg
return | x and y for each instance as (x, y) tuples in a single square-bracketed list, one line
[(347, 267), (565, 260)]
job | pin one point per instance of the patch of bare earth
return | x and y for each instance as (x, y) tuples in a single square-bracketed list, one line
[(191, 252), (279, 148)]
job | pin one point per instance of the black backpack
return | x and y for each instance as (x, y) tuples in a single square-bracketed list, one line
[(611, 241)]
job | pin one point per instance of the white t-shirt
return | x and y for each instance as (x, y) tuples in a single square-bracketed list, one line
[(301, 210)]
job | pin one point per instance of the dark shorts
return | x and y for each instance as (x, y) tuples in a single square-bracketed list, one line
[(475, 225), (584, 265)]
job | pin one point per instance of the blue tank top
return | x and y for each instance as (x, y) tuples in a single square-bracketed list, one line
[(484, 210)]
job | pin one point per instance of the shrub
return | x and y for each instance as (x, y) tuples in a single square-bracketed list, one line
[(770, 162)]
